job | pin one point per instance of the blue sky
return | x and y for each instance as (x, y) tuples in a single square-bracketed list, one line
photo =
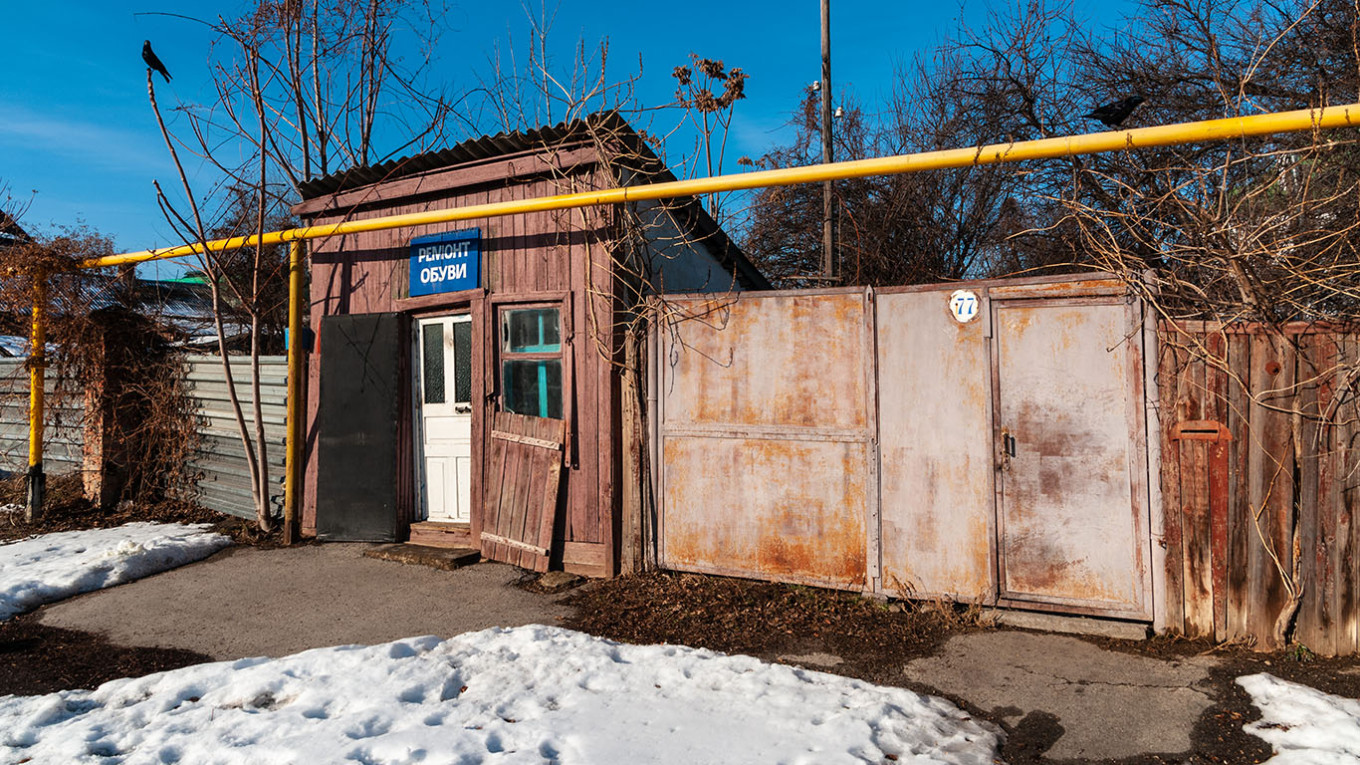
[(79, 143)]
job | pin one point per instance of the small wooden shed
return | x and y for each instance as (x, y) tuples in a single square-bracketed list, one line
[(468, 384)]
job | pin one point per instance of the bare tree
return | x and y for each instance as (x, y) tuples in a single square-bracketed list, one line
[(303, 89)]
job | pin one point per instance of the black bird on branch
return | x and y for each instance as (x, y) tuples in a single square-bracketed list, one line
[(1112, 114), (152, 62)]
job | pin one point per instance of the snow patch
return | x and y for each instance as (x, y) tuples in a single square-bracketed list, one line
[(50, 567), (529, 694), (1303, 724)]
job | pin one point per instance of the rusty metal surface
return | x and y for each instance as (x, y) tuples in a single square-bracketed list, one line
[(935, 444), (772, 508), (766, 438), (854, 439), (1070, 528), (781, 361)]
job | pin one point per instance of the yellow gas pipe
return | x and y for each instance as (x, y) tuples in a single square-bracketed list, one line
[(1229, 128), (37, 364), (292, 476)]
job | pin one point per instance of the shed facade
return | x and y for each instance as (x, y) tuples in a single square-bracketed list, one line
[(465, 385)]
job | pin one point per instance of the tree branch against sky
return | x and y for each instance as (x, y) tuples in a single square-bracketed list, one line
[(76, 127)]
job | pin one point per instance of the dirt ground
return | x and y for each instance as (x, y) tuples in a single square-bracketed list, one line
[(771, 621)]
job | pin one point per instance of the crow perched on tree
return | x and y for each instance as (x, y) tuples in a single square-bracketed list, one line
[(151, 61), (1114, 113)]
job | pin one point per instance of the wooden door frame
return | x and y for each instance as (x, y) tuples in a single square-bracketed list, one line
[(461, 305)]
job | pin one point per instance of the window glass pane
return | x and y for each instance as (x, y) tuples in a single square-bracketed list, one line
[(462, 361), (533, 387), (432, 361), (531, 330)]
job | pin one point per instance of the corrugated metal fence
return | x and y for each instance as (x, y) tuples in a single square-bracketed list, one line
[(224, 484), (64, 419)]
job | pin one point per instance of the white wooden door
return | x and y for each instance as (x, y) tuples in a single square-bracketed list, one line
[(444, 411)]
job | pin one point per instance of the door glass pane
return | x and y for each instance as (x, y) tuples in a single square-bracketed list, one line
[(462, 361), (533, 387), (432, 362), (531, 330)]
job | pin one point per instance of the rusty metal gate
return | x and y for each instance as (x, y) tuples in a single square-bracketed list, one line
[(766, 438), (980, 441)]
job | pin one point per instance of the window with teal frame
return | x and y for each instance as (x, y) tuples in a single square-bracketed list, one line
[(531, 361)]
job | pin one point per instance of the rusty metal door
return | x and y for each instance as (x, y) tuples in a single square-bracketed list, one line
[(1072, 515)]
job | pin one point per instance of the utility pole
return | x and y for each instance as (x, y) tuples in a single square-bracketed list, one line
[(828, 234)]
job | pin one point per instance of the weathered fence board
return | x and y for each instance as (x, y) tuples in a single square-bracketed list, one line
[(1267, 511)]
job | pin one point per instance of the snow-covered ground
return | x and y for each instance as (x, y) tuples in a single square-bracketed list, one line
[(1304, 725), (529, 694), (54, 566)]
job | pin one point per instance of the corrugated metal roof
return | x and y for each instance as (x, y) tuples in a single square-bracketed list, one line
[(471, 150)]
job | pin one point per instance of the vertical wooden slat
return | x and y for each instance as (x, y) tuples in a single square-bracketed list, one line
[(1199, 596), (1173, 359), (491, 503), (529, 513), (1195, 499), (1344, 497), (1317, 525), (606, 400), (1240, 534), (1271, 490), (1216, 379), (515, 496)]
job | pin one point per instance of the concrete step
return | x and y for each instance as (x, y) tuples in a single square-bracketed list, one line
[(444, 558)]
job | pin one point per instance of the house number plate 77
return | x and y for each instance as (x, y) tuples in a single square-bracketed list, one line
[(963, 305)]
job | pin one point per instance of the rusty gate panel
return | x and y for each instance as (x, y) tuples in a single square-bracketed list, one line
[(1073, 528), (770, 361), (936, 448), (766, 431), (778, 527)]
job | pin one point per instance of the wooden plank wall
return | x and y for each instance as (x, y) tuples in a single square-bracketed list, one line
[(540, 257), (1259, 482)]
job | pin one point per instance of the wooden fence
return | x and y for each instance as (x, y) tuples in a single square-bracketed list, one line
[(1259, 482)]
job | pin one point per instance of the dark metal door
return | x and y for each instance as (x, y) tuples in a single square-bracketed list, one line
[(1072, 516), (358, 418)]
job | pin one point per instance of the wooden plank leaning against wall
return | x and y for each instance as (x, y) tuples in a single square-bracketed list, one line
[(1260, 483)]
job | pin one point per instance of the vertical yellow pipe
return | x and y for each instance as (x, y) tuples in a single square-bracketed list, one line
[(37, 363), (292, 478)]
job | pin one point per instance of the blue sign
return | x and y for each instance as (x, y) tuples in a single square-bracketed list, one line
[(446, 262)]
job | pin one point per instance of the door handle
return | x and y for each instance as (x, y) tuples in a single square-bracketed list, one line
[(1008, 443), (462, 408)]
